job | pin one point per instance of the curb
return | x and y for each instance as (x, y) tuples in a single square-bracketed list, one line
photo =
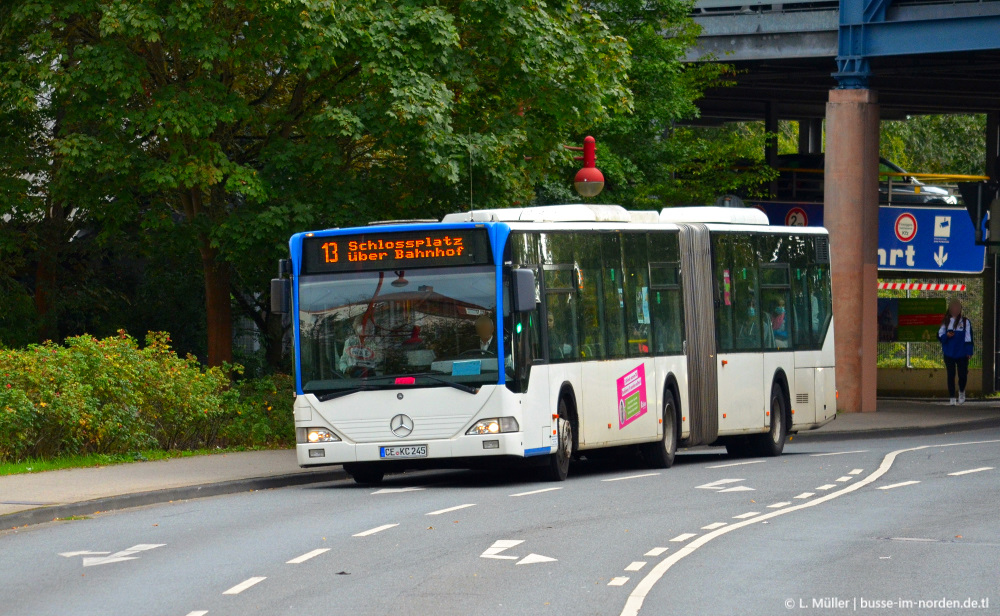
[(153, 497), (966, 426)]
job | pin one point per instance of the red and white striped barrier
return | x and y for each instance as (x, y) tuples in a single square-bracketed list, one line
[(915, 286)]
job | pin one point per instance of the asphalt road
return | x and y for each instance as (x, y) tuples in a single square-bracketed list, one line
[(828, 528)]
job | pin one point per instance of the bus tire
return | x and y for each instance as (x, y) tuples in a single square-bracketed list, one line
[(772, 443), (557, 468), (365, 474), (661, 453)]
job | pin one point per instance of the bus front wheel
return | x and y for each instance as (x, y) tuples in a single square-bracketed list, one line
[(365, 474), (558, 465), (772, 443), (661, 453)]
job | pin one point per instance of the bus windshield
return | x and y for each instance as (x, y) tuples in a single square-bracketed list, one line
[(378, 329)]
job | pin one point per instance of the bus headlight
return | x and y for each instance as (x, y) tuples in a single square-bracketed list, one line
[(494, 425), (320, 435)]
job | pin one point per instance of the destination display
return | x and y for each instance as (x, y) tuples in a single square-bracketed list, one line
[(395, 251)]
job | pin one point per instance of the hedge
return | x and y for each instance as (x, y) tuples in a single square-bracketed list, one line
[(113, 396)]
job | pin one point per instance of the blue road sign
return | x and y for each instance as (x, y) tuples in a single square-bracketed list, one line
[(920, 239), (915, 239)]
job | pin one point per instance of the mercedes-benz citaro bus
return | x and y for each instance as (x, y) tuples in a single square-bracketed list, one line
[(533, 335)]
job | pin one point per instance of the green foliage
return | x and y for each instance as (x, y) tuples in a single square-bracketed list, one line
[(109, 396), (936, 143)]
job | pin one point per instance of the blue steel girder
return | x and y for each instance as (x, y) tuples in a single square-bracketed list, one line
[(866, 32)]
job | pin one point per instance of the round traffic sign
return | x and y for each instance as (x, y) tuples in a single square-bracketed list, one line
[(796, 217), (906, 227)]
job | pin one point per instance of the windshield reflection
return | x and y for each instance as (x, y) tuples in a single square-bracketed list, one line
[(359, 330)]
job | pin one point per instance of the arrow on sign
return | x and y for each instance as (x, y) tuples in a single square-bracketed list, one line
[(117, 557), (940, 256)]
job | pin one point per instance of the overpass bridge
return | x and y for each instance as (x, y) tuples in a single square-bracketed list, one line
[(850, 64)]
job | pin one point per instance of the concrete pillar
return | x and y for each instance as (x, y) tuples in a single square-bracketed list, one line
[(850, 213)]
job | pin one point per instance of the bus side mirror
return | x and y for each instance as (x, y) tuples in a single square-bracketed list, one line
[(281, 293), (524, 289)]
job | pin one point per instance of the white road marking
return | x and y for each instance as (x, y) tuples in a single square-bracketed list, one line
[(920, 539), (81, 553), (198, 613), (531, 559), (805, 495), (307, 556), (713, 526), (117, 557), (377, 529), (737, 489), (737, 464), (778, 505), (684, 537), (844, 478), (499, 546), (898, 485), (450, 509), (748, 514), (837, 453), (656, 551), (235, 590), (971, 470), (635, 565), (826, 486), (618, 581), (642, 589), (631, 477), (396, 490), (717, 485), (535, 492), (856, 471)]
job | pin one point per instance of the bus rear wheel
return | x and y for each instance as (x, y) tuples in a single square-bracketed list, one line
[(557, 468), (661, 454), (773, 442), (365, 474)]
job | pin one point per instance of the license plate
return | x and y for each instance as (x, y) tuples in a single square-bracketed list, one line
[(404, 451)]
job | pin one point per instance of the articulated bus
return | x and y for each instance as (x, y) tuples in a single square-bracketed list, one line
[(533, 335)]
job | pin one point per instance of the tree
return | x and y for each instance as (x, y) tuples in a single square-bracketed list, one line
[(231, 123), (936, 143)]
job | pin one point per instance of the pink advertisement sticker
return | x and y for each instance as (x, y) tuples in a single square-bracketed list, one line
[(632, 396)]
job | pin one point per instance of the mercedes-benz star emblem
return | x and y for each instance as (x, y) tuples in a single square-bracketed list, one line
[(401, 426)]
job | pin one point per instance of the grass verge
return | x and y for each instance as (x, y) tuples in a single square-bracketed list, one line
[(101, 459)]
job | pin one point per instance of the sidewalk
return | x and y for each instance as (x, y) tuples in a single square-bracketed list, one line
[(41, 497)]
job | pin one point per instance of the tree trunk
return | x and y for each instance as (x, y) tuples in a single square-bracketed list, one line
[(218, 306), (45, 289)]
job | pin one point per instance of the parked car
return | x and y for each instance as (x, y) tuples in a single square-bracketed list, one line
[(800, 178)]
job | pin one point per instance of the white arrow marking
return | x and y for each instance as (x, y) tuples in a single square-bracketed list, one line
[(941, 256), (396, 490), (81, 553), (123, 555), (737, 489), (531, 559), (717, 485), (499, 546)]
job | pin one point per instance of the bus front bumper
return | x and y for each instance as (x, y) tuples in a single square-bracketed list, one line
[(479, 446)]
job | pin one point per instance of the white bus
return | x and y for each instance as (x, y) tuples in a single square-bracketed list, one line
[(538, 334)]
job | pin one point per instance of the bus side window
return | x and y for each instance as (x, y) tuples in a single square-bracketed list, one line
[(636, 285), (613, 309), (560, 310), (665, 296), (801, 311), (738, 318), (821, 300)]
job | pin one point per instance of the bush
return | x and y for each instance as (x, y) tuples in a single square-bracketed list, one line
[(110, 396)]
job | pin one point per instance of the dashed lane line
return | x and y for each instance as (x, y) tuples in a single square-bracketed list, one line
[(618, 581), (307, 556), (377, 529), (845, 478), (713, 526), (748, 514), (656, 551), (197, 613), (806, 495), (631, 477), (856, 471), (638, 595), (450, 509), (683, 537), (779, 505), (971, 470), (636, 565), (837, 453), (898, 485), (826, 486), (737, 464), (235, 590), (535, 492)]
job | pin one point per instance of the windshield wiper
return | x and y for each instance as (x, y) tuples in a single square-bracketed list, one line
[(331, 395)]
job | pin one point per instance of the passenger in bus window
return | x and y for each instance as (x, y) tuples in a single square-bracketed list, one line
[(559, 348)]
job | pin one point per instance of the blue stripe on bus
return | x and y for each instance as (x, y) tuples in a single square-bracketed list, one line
[(537, 451)]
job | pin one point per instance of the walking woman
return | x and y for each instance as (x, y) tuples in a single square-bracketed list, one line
[(956, 344)]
